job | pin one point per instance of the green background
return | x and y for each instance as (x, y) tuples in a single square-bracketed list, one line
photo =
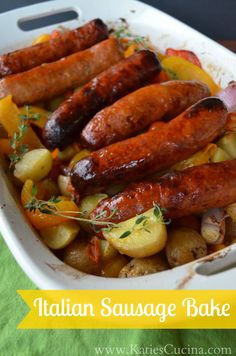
[(15, 342)]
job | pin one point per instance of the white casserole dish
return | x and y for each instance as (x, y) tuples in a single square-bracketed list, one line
[(38, 262)]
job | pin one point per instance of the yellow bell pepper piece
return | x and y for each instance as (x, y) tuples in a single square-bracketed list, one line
[(130, 50), (184, 70), (10, 120), (40, 220), (36, 110), (80, 155), (42, 38)]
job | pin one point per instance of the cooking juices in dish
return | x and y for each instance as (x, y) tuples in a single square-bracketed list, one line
[(124, 156)]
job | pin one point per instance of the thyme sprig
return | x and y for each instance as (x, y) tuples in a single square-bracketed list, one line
[(49, 208), (123, 33), (19, 149), (142, 220)]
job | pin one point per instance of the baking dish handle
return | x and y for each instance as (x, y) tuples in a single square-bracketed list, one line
[(11, 19)]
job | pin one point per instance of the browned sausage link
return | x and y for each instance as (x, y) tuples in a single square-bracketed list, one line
[(136, 111), (49, 80), (66, 43), (153, 151), (158, 125), (181, 193), (68, 120)]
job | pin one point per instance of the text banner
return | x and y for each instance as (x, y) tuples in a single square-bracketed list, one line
[(129, 309)]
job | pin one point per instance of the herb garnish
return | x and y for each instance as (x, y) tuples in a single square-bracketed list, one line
[(124, 34), (142, 220), (48, 207), (19, 149)]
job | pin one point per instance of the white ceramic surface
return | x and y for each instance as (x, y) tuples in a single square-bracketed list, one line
[(38, 262)]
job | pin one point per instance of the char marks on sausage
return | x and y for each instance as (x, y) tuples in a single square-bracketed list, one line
[(190, 191), (155, 150), (134, 112), (64, 44), (66, 123)]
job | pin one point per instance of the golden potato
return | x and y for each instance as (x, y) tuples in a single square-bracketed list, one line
[(35, 165), (230, 231), (142, 239), (201, 157), (63, 182), (231, 211), (228, 144), (58, 237), (220, 156), (107, 251), (143, 266), (112, 267), (87, 205), (184, 245), (77, 255), (213, 226)]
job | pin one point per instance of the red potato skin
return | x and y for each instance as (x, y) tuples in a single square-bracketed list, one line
[(154, 150), (66, 123), (134, 112), (191, 191), (64, 44), (53, 79)]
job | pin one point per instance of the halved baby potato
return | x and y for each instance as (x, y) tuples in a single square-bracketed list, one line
[(57, 237), (139, 239), (220, 156), (228, 144), (113, 267), (143, 266), (35, 165), (108, 252), (87, 205), (184, 245)]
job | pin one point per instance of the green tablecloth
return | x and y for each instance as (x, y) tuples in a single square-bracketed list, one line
[(82, 342)]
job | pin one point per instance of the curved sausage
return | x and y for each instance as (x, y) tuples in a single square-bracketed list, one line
[(155, 150), (133, 113), (66, 123), (66, 43), (52, 79), (182, 193), (157, 125)]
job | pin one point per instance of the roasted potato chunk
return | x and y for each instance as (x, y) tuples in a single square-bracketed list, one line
[(143, 266), (77, 255), (184, 245)]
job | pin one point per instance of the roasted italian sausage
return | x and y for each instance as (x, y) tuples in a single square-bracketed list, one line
[(133, 113), (182, 193), (66, 43), (66, 123), (49, 80), (154, 150)]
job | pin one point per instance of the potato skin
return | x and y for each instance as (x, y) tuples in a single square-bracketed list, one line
[(184, 245), (112, 267), (77, 256), (143, 266)]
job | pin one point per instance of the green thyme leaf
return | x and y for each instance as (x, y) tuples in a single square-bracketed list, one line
[(140, 219), (125, 234), (34, 190), (157, 211), (54, 200)]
